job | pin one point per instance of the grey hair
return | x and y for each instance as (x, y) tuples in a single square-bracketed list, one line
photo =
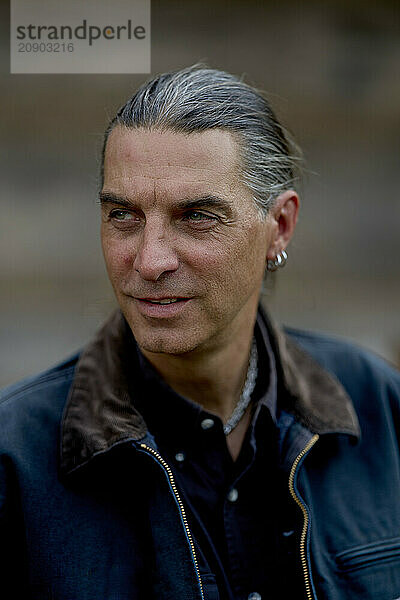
[(199, 98)]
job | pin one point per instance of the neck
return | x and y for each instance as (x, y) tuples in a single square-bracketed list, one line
[(213, 379)]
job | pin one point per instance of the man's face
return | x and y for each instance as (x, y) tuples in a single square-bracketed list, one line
[(184, 245)]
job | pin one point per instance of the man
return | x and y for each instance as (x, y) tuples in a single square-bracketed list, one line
[(193, 450)]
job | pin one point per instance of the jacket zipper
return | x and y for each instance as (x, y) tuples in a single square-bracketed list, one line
[(182, 511), (300, 503)]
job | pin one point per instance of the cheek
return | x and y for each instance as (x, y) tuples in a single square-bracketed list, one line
[(234, 268), (247, 252), (118, 256)]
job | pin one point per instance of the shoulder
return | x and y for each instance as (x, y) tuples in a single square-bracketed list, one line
[(356, 368), (27, 403)]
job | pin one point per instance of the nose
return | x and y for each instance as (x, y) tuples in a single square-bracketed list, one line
[(155, 254)]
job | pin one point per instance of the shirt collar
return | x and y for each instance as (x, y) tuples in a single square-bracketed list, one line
[(170, 415)]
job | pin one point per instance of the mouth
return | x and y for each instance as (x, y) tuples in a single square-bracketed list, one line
[(162, 308), (162, 300)]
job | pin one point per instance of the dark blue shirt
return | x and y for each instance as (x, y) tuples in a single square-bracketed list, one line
[(239, 511)]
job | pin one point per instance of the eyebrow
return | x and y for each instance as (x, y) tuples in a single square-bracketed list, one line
[(110, 198), (207, 201)]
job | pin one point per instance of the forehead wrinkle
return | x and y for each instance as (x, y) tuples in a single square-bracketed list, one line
[(200, 187), (136, 167), (160, 177)]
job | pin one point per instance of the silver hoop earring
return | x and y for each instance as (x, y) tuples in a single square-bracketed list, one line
[(279, 261)]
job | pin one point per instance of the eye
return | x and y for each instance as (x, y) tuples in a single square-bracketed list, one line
[(197, 216), (120, 215)]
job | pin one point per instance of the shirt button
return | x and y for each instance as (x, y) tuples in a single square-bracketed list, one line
[(233, 496), (180, 457), (207, 424), (254, 596), (287, 534)]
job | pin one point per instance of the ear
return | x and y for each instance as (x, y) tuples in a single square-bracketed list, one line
[(283, 217)]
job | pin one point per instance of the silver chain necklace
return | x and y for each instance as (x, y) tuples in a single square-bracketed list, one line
[(247, 390)]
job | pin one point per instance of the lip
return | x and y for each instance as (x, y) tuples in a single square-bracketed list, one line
[(161, 311)]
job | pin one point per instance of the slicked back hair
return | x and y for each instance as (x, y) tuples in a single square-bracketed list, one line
[(199, 98)]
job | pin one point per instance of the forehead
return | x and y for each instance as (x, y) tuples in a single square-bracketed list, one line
[(138, 159)]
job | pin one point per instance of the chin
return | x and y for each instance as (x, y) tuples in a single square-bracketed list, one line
[(165, 342), (166, 346)]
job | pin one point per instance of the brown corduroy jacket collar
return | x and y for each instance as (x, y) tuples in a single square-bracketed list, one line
[(100, 411)]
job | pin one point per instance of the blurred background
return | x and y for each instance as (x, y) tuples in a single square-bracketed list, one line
[(331, 70)]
